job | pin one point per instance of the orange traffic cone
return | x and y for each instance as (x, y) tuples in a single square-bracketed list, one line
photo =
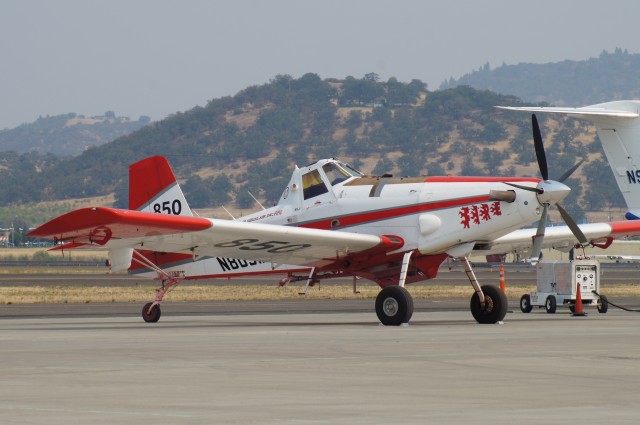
[(578, 310), (502, 277)]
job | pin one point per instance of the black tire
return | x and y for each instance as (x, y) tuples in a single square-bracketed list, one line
[(495, 307), (525, 303), (153, 315), (394, 306), (603, 304), (550, 304), (572, 308)]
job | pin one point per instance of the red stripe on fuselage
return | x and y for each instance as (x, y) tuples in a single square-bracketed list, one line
[(386, 214)]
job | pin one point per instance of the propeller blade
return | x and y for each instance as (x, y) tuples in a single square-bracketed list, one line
[(570, 171), (539, 236), (572, 225), (537, 143), (527, 188)]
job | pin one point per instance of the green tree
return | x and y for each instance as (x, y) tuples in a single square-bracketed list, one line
[(243, 198), (384, 166)]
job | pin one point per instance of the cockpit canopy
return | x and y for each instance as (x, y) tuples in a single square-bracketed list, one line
[(325, 172)]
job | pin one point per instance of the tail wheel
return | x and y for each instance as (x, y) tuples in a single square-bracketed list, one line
[(495, 305), (603, 304), (525, 303), (394, 306), (151, 313)]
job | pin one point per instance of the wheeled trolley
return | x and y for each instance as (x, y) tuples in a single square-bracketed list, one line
[(557, 283)]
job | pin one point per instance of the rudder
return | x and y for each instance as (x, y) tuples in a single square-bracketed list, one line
[(154, 188)]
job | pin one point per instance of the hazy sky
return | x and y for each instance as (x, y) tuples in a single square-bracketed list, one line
[(156, 57)]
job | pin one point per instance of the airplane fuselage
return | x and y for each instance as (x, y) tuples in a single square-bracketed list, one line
[(431, 214)]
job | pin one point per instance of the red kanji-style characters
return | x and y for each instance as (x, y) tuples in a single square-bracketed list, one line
[(475, 214), (495, 208), (464, 214), (484, 212)]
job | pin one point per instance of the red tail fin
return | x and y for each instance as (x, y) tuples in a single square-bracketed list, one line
[(153, 187)]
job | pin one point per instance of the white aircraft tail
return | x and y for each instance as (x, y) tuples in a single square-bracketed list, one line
[(153, 188), (618, 127)]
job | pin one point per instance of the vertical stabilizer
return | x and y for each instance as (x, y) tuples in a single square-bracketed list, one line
[(153, 188), (292, 194)]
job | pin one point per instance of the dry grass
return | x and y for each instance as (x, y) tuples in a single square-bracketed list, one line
[(100, 269), (102, 294), (29, 253)]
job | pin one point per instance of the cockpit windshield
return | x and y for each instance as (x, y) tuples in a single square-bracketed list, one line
[(350, 169), (335, 174)]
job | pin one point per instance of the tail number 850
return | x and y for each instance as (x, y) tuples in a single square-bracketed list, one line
[(168, 207), (276, 247)]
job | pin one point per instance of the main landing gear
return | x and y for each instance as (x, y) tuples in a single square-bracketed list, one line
[(394, 304)]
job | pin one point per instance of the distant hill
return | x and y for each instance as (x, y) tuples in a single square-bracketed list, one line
[(68, 134), (611, 76), (250, 142)]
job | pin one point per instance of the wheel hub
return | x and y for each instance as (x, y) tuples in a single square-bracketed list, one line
[(390, 307), (488, 304)]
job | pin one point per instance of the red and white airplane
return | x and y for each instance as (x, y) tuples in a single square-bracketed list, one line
[(332, 221)]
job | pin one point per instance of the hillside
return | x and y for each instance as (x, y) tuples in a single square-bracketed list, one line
[(611, 76), (250, 142), (68, 134)]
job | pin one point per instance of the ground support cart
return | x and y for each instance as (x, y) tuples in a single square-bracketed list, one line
[(557, 283)]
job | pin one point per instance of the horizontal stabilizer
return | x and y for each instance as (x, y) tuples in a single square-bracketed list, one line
[(585, 111), (70, 246)]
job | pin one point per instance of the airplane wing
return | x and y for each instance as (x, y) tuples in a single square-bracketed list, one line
[(559, 237), (197, 236), (615, 257)]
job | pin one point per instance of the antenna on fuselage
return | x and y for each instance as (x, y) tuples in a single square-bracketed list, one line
[(254, 198), (227, 211)]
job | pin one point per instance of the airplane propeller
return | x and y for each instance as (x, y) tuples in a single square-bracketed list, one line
[(549, 192)]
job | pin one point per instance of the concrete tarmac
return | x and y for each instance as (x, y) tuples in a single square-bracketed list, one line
[(321, 368)]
